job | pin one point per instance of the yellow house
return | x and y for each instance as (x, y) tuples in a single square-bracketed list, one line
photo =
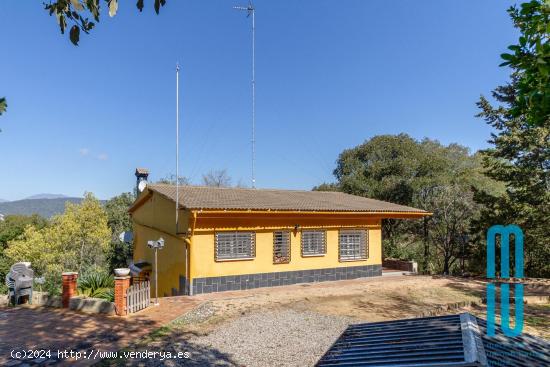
[(234, 238)]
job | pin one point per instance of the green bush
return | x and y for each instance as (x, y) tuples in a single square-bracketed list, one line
[(97, 285)]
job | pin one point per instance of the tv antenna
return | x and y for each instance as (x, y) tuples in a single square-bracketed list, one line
[(177, 144), (250, 11)]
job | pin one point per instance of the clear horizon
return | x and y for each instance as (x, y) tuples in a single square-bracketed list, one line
[(328, 77)]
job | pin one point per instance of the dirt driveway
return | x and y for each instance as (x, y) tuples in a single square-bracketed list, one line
[(295, 325)]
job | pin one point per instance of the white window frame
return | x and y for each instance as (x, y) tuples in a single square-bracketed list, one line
[(281, 243), (306, 237), (234, 240), (353, 244)]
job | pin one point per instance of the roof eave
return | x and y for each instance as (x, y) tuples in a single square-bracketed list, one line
[(389, 214)]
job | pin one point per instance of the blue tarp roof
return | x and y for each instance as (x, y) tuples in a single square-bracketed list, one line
[(454, 340)]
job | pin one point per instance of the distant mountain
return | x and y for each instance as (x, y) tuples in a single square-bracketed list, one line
[(46, 196), (43, 207), (3, 201)]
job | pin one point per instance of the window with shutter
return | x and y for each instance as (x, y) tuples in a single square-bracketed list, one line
[(235, 245), (314, 243), (281, 247), (353, 245)]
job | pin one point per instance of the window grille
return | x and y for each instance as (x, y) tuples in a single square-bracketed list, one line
[(281, 247), (353, 245), (314, 243), (235, 245)]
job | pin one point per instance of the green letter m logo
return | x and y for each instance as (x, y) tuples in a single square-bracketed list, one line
[(505, 232)]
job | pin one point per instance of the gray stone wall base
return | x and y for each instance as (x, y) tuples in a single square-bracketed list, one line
[(260, 280)]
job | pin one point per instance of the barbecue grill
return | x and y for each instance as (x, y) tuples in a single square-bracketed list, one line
[(19, 281)]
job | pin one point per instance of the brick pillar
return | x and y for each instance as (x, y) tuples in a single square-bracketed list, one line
[(121, 287), (69, 287)]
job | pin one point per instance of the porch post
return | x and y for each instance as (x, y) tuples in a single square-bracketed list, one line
[(69, 287), (121, 288)]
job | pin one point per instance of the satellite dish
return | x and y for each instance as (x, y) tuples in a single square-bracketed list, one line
[(142, 185)]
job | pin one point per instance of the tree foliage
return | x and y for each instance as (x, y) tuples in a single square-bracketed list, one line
[(452, 209), (3, 105), (118, 220), (12, 227), (84, 14), (170, 179), (520, 155), (76, 240), (424, 174), (530, 62)]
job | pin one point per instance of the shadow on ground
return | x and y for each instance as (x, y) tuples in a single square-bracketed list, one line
[(198, 355), (23, 328)]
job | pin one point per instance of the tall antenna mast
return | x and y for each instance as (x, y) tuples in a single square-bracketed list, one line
[(251, 12), (177, 144)]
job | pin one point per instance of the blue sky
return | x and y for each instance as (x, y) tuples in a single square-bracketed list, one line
[(330, 74)]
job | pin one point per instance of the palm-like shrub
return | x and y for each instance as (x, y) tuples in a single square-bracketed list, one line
[(97, 285)]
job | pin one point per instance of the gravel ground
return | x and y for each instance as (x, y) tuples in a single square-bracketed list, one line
[(268, 338), (276, 338)]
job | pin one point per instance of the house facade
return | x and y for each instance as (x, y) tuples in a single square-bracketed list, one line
[(233, 238)]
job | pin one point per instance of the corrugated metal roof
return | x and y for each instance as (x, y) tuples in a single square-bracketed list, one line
[(454, 340), (200, 197), (522, 350)]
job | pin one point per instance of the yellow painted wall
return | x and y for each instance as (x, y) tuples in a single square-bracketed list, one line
[(203, 262), (155, 219), (171, 259), (160, 213)]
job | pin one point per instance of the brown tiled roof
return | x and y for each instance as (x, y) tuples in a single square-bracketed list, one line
[(216, 198)]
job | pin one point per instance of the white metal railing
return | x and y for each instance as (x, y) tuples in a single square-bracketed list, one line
[(138, 296)]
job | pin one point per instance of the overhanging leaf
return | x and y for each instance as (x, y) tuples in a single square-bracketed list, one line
[(3, 105), (158, 4), (139, 5), (77, 5), (75, 35), (113, 8)]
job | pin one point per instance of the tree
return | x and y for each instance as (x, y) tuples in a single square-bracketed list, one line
[(12, 227), (520, 156), (77, 240), (118, 220), (452, 207), (530, 62), (400, 169), (218, 178), (170, 179), (78, 12), (392, 168)]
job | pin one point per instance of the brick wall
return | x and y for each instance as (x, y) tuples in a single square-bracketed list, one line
[(404, 265)]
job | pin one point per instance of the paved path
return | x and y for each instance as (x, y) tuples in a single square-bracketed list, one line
[(29, 327), (34, 328)]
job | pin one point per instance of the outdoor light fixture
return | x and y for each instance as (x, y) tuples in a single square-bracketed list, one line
[(156, 245)]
